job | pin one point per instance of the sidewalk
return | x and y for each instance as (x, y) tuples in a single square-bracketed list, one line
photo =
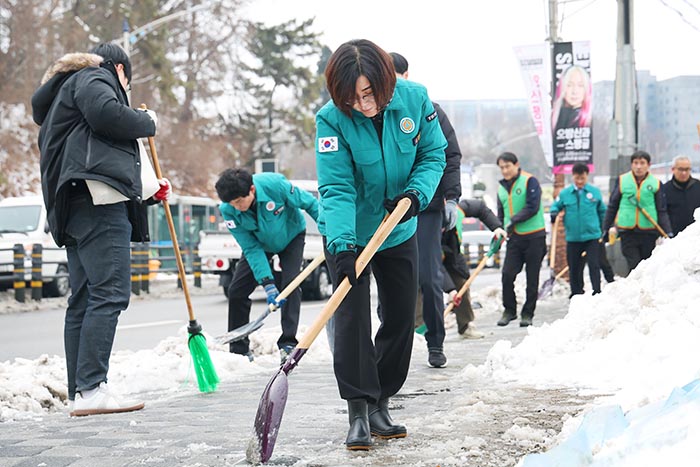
[(451, 419)]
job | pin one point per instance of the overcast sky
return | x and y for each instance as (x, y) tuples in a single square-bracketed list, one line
[(463, 49)]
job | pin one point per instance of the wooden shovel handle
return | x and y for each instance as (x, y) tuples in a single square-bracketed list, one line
[(362, 261), (465, 286), (553, 245), (299, 279)]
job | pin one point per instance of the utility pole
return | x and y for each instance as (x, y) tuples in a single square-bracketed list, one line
[(624, 126), (560, 256)]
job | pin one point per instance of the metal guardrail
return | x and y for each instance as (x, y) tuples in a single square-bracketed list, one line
[(146, 259)]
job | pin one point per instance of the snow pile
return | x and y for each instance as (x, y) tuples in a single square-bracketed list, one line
[(635, 345), (31, 388), (634, 339)]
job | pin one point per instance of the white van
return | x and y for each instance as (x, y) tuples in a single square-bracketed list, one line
[(23, 220)]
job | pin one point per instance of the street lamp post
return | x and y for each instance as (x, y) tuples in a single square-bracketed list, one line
[(132, 37)]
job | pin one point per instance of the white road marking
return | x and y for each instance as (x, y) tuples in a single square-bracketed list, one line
[(149, 325)]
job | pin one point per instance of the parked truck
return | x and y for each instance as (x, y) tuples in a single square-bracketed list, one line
[(219, 253), (23, 221)]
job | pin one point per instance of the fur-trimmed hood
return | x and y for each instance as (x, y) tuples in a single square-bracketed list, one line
[(56, 76), (72, 62)]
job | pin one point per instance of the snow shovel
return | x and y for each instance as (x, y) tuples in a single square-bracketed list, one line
[(633, 200), (274, 397), (548, 285), (207, 379), (557, 277), (493, 249), (247, 329)]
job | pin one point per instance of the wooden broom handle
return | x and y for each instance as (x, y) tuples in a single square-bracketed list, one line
[(171, 227)]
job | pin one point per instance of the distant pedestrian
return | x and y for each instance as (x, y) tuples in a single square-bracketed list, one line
[(682, 194), (456, 265), (584, 213), (635, 191), (440, 214), (263, 213), (91, 177), (520, 210), (377, 142)]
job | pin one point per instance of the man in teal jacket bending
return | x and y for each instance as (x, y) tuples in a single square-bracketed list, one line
[(584, 212), (263, 212)]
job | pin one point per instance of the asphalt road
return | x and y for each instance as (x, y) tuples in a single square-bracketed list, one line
[(147, 321)]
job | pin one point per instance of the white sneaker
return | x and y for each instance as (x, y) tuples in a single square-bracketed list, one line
[(70, 408), (103, 401), (472, 333)]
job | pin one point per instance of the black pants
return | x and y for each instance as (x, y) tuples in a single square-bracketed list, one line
[(376, 370), (429, 233), (522, 251), (577, 263), (637, 246), (244, 283), (605, 264)]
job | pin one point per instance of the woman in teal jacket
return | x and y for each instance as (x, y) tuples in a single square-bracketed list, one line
[(378, 141), (584, 213)]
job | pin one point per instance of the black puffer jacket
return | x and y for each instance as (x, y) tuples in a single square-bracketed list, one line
[(450, 185), (88, 132), (681, 201)]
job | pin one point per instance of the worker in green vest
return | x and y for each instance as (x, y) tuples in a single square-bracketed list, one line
[(520, 210), (635, 191)]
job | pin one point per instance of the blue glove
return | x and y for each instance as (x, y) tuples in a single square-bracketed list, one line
[(450, 214), (272, 294)]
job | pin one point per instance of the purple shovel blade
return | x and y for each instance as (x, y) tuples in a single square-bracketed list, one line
[(546, 288), (270, 411)]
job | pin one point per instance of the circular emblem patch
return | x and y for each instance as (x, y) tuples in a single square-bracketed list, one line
[(649, 187), (270, 206), (518, 191), (407, 125), (589, 195)]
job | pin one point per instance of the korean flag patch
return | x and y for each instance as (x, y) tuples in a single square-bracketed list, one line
[(328, 144)]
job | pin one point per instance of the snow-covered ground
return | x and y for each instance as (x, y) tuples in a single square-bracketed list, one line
[(638, 341), (636, 344)]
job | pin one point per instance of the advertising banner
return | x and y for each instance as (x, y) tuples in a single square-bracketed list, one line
[(572, 106), (535, 72)]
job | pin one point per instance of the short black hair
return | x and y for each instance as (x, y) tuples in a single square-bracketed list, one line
[(507, 157), (355, 58), (641, 155), (113, 53), (580, 168), (400, 63), (233, 183)]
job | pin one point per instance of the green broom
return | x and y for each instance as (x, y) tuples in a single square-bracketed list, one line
[(207, 379)]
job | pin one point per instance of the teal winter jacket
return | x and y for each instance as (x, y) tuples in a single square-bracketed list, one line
[(357, 172), (584, 212), (276, 220)]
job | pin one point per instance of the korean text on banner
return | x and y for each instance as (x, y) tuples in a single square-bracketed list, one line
[(535, 73)]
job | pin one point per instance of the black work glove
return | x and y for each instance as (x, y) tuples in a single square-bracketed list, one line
[(554, 218), (606, 237), (390, 205), (345, 266), (510, 228)]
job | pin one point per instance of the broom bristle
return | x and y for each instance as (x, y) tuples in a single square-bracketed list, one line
[(207, 379)]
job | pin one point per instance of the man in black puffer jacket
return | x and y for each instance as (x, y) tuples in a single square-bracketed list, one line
[(91, 180), (682, 194), (440, 214)]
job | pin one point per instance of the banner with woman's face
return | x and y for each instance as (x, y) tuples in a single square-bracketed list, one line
[(572, 106)]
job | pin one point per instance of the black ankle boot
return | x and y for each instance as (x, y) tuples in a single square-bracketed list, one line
[(359, 438), (380, 422)]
